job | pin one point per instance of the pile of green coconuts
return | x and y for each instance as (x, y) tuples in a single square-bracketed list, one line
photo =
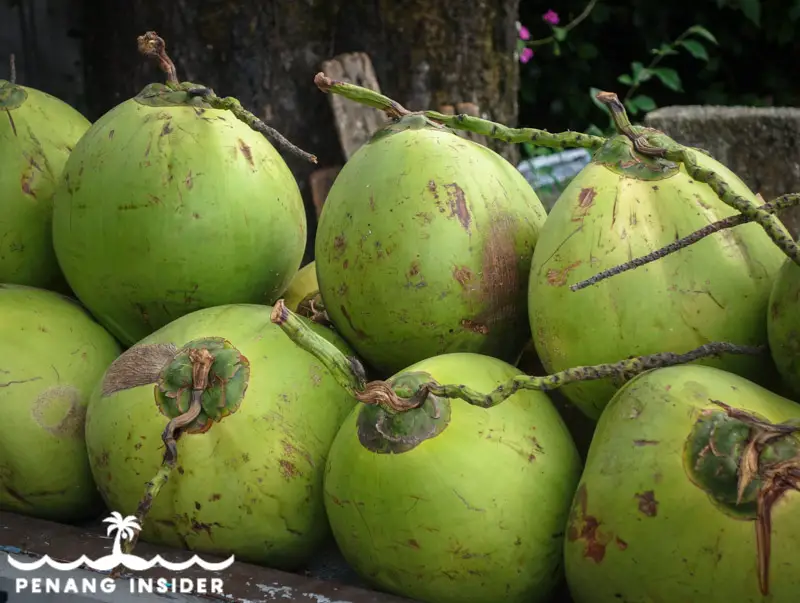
[(159, 338)]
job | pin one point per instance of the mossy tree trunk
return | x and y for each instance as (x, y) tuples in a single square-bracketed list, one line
[(426, 53)]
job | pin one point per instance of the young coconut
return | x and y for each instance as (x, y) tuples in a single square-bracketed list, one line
[(255, 415), (175, 170), (691, 492), (443, 494), (37, 134), (626, 203), (424, 244), (53, 354)]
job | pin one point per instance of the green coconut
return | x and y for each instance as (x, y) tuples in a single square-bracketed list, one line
[(783, 324), (168, 205), (444, 501), (656, 517), (52, 354), (37, 134), (624, 205), (248, 469), (424, 247)]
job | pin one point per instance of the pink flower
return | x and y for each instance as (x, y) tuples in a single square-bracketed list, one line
[(551, 17), (526, 55), (523, 32)]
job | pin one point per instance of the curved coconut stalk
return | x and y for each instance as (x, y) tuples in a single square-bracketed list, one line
[(654, 143), (195, 386), (151, 45), (385, 395), (491, 129), (774, 206)]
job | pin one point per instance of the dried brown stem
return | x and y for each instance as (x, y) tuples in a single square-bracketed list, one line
[(12, 64)]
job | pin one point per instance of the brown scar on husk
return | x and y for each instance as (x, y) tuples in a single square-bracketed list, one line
[(474, 326), (457, 201), (247, 152), (648, 505), (500, 282), (558, 278), (72, 423), (582, 526), (463, 275), (585, 204)]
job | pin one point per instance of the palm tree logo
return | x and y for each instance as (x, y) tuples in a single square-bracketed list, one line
[(125, 528)]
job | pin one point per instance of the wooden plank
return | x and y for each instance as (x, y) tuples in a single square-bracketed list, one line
[(355, 122), (321, 182), (23, 536)]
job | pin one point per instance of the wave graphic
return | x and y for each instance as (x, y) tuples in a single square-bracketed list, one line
[(131, 562)]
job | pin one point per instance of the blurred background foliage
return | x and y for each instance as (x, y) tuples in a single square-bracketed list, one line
[(756, 60)]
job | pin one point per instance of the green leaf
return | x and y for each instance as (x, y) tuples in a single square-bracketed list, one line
[(751, 10), (559, 33), (669, 77), (643, 102), (625, 79), (696, 49), (702, 32), (640, 74), (664, 50)]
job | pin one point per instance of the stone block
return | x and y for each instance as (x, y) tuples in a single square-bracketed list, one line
[(761, 145)]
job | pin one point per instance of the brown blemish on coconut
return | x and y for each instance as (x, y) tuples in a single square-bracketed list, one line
[(475, 327), (621, 544), (247, 152), (414, 544), (166, 129), (110, 134), (288, 469), (648, 505), (645, 442), (582, 526), (558, 278), (585, 203), (457, 201), (64, 402), (214, 497), (463, 275), (500, 285), (189, 180), (414, 270), (25, 180)]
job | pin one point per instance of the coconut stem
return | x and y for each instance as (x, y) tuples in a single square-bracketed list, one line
[(468, 123), (12, 64), (347, 370), (201, 360), (349, 374), (153, 46), (657, 144), (774, 206), (624, 368)]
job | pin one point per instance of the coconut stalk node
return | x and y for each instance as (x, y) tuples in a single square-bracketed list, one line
[(776, 205)]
